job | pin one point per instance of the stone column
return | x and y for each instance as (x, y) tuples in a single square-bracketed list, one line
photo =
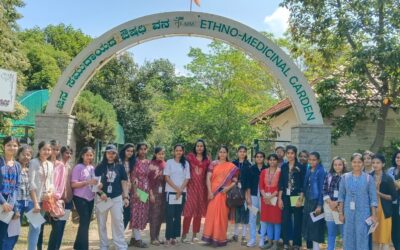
[(55, 126), (314, 138)]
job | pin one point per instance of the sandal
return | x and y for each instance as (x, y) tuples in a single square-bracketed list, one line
[(132, 242), (173, 242), (155, 243), (235, 238), (140, 244)]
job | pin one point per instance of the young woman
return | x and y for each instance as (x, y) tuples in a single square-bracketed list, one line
[(140, 210), (41, 186), (280, 152), (271, 213), (291, 185), (386, 192), (59, 180), (196, 202), (368, 155), (241, 214), (250, 178), (331, 195), (157, 195), (177, 176), (357, 202), (221, 177), (313, 185), (114, 190), (82, 181), (394, 172), (128, 159), (9, 175), (23, 156), (303, 157)]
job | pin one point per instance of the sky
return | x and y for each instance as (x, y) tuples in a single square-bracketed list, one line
[(95, 17)]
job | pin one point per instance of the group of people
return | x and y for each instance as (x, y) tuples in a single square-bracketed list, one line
[(294, 196)]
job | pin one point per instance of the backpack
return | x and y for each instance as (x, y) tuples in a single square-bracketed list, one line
[(235, 197), (56, 208)]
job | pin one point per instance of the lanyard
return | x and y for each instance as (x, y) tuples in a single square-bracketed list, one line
[(110, 174)]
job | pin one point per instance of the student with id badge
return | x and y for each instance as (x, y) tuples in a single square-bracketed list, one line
[(114, 191), (177, 176), (330, 194), (357, 204)]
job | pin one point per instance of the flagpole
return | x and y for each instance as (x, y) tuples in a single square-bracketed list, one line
[(191, 4)]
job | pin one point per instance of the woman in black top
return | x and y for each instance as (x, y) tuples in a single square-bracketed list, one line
[(128, 160), (291, 184), (385, 192), (241, 214), (394, 172), (112, 196)]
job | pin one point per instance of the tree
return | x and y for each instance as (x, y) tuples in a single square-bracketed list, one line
[(11, 57), (49, 51), (366, 34), (226, 90), (96, 120)]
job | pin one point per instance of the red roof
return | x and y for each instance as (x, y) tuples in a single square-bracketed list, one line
[(277, 109)]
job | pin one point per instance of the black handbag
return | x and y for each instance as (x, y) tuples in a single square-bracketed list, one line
[(235, 197)]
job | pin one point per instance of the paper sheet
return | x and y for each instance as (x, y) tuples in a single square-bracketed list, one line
[(316, 218), (253, 210), (103, 206), (6, 216), (373, 228), (336, 218), (36, 219), (66, 215), (293, 200), (14, 228), (143, 196), (274, 200), (95, 188), (173, 201)]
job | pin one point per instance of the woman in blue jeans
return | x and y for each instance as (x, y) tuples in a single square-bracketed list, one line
[(40, 186), (9, 182), (24, 155), (330, 193)]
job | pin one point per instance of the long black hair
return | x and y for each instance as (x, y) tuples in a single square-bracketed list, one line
[(182, 160), (83, 152), (132, 160), (205, 153), (41, 145), (104, 161)]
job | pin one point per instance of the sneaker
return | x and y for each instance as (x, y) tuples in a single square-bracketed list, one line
[(243, 241), (251, 243), (267, 246)]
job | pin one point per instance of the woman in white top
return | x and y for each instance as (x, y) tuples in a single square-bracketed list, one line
[(177, 175), (41, 186)]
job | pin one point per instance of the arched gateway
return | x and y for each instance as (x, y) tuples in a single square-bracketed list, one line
[(57, 121)]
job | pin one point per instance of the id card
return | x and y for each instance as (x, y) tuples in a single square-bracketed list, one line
[(352, 205), (26, 203), (109, 189), (335, 194), (288, 191), (239, 185), (160, 190)]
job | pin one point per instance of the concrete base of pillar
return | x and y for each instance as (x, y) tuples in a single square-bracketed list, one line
[(58, 127), (314, 138)]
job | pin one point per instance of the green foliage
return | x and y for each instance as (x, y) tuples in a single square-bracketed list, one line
[(49, 51), (356, 42), (226, 90), (11, 57), (96, 119)]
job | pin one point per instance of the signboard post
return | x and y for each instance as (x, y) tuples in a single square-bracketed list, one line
[(8, 89)]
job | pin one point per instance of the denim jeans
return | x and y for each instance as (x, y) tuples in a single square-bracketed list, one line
[(23, 207), (84, 209), (57, 231), (33, 234), (255, 202), (333, 231)]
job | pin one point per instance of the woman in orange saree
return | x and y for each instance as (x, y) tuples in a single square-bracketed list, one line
[(221, 177)]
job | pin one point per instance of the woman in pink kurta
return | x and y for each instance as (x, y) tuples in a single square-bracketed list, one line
[(196, 201), (139, 209)]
